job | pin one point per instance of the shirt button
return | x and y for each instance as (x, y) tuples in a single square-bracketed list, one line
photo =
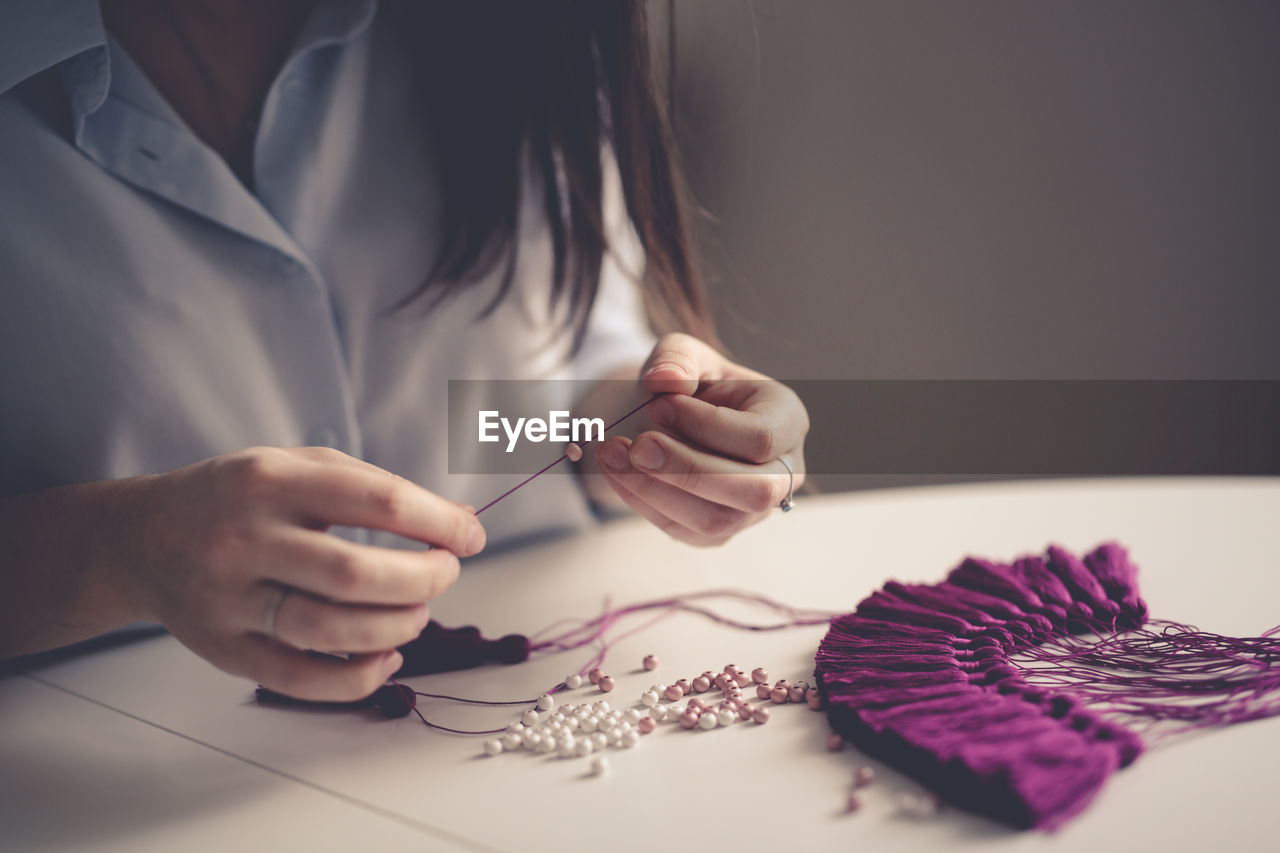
[(322, 437)]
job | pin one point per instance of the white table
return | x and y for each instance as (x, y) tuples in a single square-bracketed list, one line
[(145, 746)]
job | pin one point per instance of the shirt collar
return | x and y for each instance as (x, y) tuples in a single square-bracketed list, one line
[(38, 34)]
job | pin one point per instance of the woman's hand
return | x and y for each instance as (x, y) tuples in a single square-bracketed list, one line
[(711, 468), (231, 555)]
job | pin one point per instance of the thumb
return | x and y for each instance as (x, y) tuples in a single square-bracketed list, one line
[(678, 363)]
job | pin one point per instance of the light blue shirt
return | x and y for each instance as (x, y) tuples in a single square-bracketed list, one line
[(155, 312)]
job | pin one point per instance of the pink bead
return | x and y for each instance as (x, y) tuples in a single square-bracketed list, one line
[(760, 675), (573, 451), (760, 715), (594, 675), (673, 692), (855, 803), (741, 679), (763, 691), (783, 683), (835, 743), (701, 684), (745, 710), (688, 720), (650, 662), (698, 703), (646, 725), (605, 683), (685, 687), (863, 776), (813, 698), (778, 695), (795, 693)]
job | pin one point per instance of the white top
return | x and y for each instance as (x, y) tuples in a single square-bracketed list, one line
[(156, 312)]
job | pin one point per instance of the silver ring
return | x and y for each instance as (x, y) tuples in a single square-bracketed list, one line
[(788, 503), (273, 607)]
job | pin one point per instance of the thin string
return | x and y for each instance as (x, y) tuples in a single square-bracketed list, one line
[(527, 480)]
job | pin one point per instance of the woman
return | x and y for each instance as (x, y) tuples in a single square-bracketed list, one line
[(246, 246)]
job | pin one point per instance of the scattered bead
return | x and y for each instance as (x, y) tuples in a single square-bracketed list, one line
[(783, 683), (853, 804), (689, 719), (742, 679), (835, 743), (629, 739), (605, 683), (647, 725), (512, 742), (568, 747), (778, 695), (763, 691), (760, 715), (547, 744), (760, 675), (601, 707), (516, 729), (726, 716), (795, 693), (650, 662), (708, 721), (532, 740), (813, 698), (631, 715), (573, 682), (590, 724), (594, 675), (492, 746), (546, 702), (649, 698), (864, 776), (698, 704), (599, 765), (744, 711), (673, 692), (583, 747), (572, 724), (530, 718), (685, 686), (599, 740), (658, 713), (701, 684), (676, 710), (573, 451)]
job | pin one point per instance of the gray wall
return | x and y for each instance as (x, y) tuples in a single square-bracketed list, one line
[(938, 189)]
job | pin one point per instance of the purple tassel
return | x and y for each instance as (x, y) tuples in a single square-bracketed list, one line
[(925, 678)]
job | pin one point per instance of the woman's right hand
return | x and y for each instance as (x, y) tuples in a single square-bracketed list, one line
[(211, 546)]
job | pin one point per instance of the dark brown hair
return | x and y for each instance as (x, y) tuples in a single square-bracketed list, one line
[(512, 84)]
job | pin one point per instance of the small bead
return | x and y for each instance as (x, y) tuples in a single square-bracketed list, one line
[(673, 692), (648, 698), (760, 675), (658, 713), (685, 687), (835, 743), (783, 683), (674, 711), (568, 747), (601, 707), (744, 710), (629, 739), (583, 747), (864, 776), (647, 725), (659, 688), (532, 741), (512, 742), (547, 744), (590, 724), (573, 451), (688, 720), (760, 715), (853, 804), (726, 716), (573, 682), (763, 691), (650, 662), (741, 679), (709, 675), (530, 718), (605, 683), (599, 740), (599, 765), (701, 684), (795, 693), (594, 675), (631, 715), (492, 746), (778, 695), (708, 721), (698, 704), (813, 698), (572, 724), (546, 702), (516, 729)]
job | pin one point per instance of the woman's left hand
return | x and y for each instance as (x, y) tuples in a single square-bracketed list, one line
[(712, 467)]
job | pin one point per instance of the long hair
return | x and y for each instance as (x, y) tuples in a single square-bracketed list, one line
[(552, 85)]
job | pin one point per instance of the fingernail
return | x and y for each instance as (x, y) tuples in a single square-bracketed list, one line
[(647, 453), (475, 542), (665, 365), (662, 412), (613, 457)]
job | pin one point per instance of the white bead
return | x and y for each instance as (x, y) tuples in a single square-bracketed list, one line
[(512, 742), (600, 740), (573, 682), (599, 765), (601, 707), (649, 698), (708, 720), (625, 727), (492, 746), (567, 747), (530, 718), (590, 724), (572, 724), (659, 713), (659, 689), (614, 735), (516, 729), (583, 747), (548, 744), (532, 740), (674, 712), (725, 717), (631, 715), (630, 739), (546, 702)]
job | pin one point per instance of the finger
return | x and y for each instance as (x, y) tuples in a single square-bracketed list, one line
[(764, 422), (672, 528), (738, 485), (709, 520), (295, 673), (678, 363), (346, 495), (348, 572), (307, 622)]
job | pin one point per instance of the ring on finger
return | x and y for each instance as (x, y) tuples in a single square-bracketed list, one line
[(273, 608), (788, 503)]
